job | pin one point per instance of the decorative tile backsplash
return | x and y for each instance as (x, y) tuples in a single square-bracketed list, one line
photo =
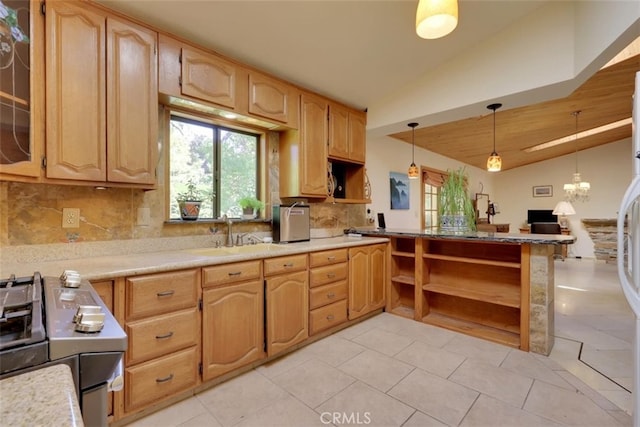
[(31, 214)]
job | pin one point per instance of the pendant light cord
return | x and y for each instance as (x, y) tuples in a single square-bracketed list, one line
[(576, 114)]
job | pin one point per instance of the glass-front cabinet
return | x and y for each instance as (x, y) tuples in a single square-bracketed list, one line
[(21, 90)]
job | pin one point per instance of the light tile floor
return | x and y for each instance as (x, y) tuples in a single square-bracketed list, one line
[(391, 371)]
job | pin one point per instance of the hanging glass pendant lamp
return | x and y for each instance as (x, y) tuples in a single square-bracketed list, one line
[(494, 162), (413, 169), (436, 18)]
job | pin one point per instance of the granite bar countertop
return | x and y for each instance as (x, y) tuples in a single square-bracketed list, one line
[(535, 239), (44, 397), (108, 265)]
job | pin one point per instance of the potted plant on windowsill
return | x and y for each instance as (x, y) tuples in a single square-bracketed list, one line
[(250, 206), (455, 209), (189, 202)]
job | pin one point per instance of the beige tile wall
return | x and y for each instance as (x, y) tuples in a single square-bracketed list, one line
[(32, 213)]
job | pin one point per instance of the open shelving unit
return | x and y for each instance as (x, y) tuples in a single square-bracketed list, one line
[(479, 288), (403, 267)]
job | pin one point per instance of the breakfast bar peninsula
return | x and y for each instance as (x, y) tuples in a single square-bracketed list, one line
[(495, 286)]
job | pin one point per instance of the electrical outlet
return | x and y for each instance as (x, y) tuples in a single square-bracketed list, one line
[(144, 216), (70, 218)]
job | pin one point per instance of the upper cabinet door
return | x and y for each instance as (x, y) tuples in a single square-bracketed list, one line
[(132, 102), (313, 145), (357, 136), (273, 99), (338, 132), (22, 91), (208, 77), (75, 92)]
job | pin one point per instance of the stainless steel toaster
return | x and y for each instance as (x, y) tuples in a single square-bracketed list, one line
[(291, 223)]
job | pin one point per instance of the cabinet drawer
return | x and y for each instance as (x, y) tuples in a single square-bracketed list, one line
[(160, 378), (161, 335), (327, 294), (155, 294), (325, 317), (317, 259), (285, 264), (330, 273), (231, 273)]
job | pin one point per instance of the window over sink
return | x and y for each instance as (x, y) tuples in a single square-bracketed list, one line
[(221, 161)]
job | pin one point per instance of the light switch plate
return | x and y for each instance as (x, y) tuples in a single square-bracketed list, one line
[(70, 218)]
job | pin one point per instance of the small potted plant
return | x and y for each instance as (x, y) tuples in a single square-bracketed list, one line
[(250, 206), (455, 207), (189, 202)]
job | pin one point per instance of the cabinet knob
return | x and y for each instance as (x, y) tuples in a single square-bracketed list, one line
[(331, 275), (288, 265), (330, 317), (330, 258), (331, 295)]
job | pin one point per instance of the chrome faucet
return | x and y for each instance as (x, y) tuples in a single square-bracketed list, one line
[(229, 243), (253, 239)]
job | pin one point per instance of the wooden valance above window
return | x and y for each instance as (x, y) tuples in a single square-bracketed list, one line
[(433, 177)]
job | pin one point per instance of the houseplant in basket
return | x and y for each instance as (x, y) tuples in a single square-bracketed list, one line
[(250, 206), (455, 207), (189, 202)]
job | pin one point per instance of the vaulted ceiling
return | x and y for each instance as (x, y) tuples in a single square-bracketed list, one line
[(604, 98), (360, 52)]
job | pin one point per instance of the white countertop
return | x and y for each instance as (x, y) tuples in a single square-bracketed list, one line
[(44, 397), (107, 266)]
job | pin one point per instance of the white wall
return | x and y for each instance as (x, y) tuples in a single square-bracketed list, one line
[(385, 154), (608, 168)]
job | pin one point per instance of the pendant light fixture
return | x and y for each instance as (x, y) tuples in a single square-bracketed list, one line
[(577, 190), (494, 162), (413, 169), (436, 18)]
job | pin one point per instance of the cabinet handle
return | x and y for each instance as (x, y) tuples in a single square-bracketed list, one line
[(331, 295), (165, 379), (330, 317), (165, 293), (167, 335), (288, 265), (331, 275), (235, 273), (330, 258)]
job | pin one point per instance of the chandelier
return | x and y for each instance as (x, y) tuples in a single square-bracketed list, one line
[(577, 190)]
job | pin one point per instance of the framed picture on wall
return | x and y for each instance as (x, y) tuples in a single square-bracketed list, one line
[(543, 191), (399, 190)]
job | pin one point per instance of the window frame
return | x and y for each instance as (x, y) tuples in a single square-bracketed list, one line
[(424, 173), (218, 124)]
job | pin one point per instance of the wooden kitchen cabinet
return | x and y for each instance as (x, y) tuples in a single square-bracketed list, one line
[(328, 289), (101, 97), (208, 77), (22, 98), (287, 302), (232, 325), (303, 152), (162, 322), (347, 134), (367, 279), (273, 99)]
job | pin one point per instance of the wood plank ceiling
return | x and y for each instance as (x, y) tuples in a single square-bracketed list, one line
[(606, 97)]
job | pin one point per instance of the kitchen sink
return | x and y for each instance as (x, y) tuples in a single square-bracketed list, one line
[(237, 250)]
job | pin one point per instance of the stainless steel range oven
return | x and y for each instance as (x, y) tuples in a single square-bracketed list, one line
[(54, 320)]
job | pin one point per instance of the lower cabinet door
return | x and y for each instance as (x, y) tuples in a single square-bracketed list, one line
[(287, 311), (160, 378), (233, 325)]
